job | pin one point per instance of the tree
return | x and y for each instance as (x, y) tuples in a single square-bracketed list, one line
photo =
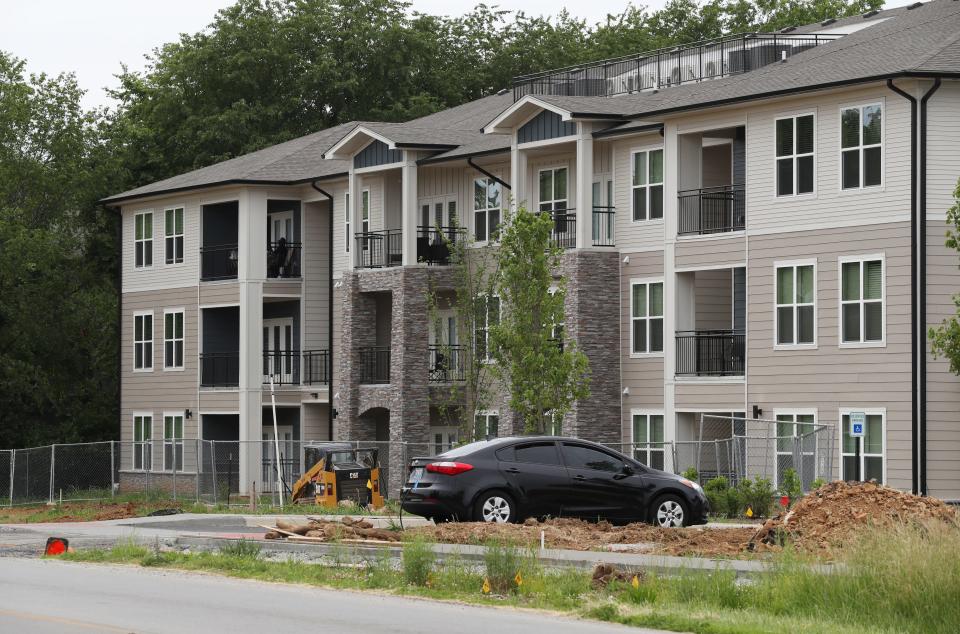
[(543, 376), (945, 338)]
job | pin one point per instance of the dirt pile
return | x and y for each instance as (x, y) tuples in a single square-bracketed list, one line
[(825, 518), (604, 574)]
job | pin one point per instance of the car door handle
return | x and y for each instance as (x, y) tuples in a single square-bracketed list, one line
[(512, 470), (579, 478)]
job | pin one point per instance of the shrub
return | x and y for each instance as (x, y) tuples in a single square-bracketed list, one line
[(691, 474), (817, 483), (418, 560), (503, 562), (716, 492), (790, 485), (756, 494)]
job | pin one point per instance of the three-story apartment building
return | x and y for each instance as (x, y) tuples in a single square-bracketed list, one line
[(752, 227)]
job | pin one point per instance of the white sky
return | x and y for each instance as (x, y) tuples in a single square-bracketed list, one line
[(92, 38)]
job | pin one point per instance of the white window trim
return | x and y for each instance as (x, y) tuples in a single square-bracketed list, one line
[(868, 411), (150, 240), (633, 441), (134, 444), (795, 346), (883, 302), (647, 281), (883, 146), (183, 213), (792, 411), (347, 225), (488, 358), (554, 168), (487, 413), (365, 223), (647, 149), (794, 156), (153, 342), (163, 326), (165, 442), (486, 210)]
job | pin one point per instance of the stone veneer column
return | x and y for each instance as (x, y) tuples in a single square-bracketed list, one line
[(358, 319)]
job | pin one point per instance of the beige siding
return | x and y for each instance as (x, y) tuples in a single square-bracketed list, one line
[(714, 297), (314, 422), (643, 376), (709, 395), (316, 276), (214, 293), (713, 251), (282, 288), (219, 401), (830, 377), (375, 183), (633, 236), (717, 168), (338, 190)]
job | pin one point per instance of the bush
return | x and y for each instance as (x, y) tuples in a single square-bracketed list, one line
[(418, 560), (724, 499), (817, 483), (790, 485), (503, 562), (691, 474), (756, 494)]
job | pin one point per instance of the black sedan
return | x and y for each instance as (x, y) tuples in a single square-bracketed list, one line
[(510, 479)]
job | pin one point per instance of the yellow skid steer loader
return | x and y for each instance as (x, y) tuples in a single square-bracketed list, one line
[(338, 472)]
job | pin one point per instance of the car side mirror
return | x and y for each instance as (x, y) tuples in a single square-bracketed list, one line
[(627, 470)]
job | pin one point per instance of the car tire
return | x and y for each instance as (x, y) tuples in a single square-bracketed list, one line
[(495, 507), (669, 511)]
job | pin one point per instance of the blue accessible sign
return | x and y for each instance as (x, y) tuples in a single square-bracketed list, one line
[(857, 422)]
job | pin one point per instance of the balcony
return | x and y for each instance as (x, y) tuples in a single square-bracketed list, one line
[(711, 210), (374, 365), (379, 249), (660, 68), (219, 262), (563, 234), (604, 223), (710, 353), (283, 259), (309, 367), (219, 369), (316, 367), (437, 245), (447, 364)]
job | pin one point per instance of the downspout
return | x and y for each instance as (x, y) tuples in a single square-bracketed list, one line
[(331, 413), (118, 236), (486, 173)]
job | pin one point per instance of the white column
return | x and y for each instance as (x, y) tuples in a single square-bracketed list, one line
[(672, 165), (408, 207), (353, 188), (584, 202)]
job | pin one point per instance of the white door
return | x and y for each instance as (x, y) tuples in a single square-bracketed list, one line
[(289, 460), (603, 211), (278, 354), (281, 226)]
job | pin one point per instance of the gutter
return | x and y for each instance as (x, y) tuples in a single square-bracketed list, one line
[(331, 413), (112, 201), (486, 173), (444, 159), (617, 131)]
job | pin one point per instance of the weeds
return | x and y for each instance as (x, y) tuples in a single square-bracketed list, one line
[(418, 560), (241, 548)]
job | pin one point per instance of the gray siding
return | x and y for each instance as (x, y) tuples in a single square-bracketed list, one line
[(714, 293), (691, 253), (377, 153), (546, 125), (316, 274), (644, 376)]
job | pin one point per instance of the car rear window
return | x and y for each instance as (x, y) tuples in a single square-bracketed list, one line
[(537, 452), (581, 457), (463, 450)]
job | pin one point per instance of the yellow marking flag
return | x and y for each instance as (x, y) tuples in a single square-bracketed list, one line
[(518, 579), (370, 484), (635, 582), (486, 586), (749, 512)]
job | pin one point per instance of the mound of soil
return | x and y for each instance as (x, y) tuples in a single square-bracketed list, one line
[(825, 518)]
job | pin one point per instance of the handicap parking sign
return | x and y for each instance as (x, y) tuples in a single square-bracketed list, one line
[(857, 420)]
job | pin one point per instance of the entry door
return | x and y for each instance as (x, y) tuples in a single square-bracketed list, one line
[(444, 361), (278, 357), (289, 460), (603, 212), (281, 226)]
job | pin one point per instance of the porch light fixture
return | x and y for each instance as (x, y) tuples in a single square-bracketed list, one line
[(757, 411), (626, 390), (187, 414), (626, 259)]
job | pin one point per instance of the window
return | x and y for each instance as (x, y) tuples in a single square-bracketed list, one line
[(861, 301), (173, 340), (365, 213), (488, 315), (557, 328), (861, 150), (346, 222), (173, 230), (142, 433), (553, 189), (486, 209), (648, 439), (647, 185), (445, 439), (862, 457), (795, 155), (796, 445), (646, 316), (173, 442), (486, 424), (143, 243), (582, 457), (143, 341), (554, 424), (537, 453), (796, 304)]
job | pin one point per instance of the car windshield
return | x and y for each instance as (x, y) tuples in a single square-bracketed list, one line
[(339, 457), (464, 450)]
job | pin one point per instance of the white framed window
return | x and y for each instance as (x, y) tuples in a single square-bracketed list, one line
[(861, 146), (646, 438), (487, 204), (553, 189), (143, 341), (365, 211), (796, 172), (558, 328), (646, 190), (173, 235), (347, 237), (143, 240), (444, 439), (862, 300), (646, 317), (486, 423), (488, 315), (864, 458), (142, 438), (173, 442), (173, 339), (796, 444), (795, 314)]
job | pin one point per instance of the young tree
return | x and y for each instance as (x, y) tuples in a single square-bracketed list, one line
[(945, 338), (542, 375)]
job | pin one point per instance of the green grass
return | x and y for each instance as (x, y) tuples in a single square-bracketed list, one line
[(901, 580)]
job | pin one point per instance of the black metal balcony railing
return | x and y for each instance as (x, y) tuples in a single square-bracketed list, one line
[(697, 61), (375, 364), (711, 210), (564, 231), (377, 249), (447, 364), (283, 259), (437, 245), (316, 367), (710, 353), (219, 369), (604, 221), (219, 262)]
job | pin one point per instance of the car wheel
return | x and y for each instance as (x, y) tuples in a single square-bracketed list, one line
[(495, 507), (669, 511)]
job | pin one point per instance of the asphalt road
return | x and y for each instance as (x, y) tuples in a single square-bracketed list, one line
[(51, 596)]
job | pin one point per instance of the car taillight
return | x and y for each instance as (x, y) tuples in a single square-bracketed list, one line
[(448, 468)]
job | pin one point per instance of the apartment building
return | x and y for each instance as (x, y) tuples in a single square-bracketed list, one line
[(752, 228)]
